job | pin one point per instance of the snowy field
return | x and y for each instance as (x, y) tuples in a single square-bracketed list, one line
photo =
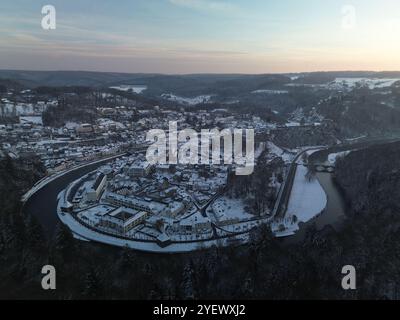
[(307, 199), (266, 91), (187, 101), (369, 82), (292, 124), (225, 209), (135, 88), (351, 83), (31, 119), (278, 152)]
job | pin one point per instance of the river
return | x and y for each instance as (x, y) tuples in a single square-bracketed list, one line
[(334, 213), (43, 204)]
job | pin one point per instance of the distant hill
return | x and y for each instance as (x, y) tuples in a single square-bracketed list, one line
[(87, 78), (6, 84), (68, 78), (199, 83)]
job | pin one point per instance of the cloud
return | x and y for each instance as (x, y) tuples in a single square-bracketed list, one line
[(204, 5)]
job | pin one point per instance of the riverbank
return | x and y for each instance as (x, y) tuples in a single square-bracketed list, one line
[(42, 202)]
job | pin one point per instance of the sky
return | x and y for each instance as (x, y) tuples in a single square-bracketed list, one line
[(202, 36)]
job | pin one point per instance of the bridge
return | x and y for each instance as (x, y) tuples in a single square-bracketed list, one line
[(281, 203)]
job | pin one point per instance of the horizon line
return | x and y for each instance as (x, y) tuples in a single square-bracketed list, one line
[(202, 73)]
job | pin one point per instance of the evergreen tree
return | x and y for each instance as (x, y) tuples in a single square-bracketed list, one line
[(64, 243), (35, 234), (93, 287), (126, 260), (18, 230), (188, 282)]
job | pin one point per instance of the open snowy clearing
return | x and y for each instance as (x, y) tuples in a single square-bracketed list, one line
[(307, 199), (187, 101), (134, 88)]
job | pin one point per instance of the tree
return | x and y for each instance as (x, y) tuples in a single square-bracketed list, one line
[(18, 230), (35, 234), (127, 259), (93, 285), (159, 225), (261, 237), (311, 172), (64, 243), (2, 244), (188, 290), (305, 157)]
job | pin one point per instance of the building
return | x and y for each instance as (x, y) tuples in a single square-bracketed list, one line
[(197, 224), (141, 169), (174, 208), (84, 128), (122, 220), (97, 188), (129, 202)]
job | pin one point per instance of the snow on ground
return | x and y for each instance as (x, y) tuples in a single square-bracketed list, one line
[(108, 122), (135, 88), (72, 125), (332, 157), (307, 199), (31, 119), (274, 149), (350, 83), (225, 209), (94, 213), (260, 149), (81, 231), (188, 101), (293, 124), (371, 83), (310, 152), (267, 91), (356, 138)]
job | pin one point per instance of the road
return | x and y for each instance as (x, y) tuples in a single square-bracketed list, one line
[(284, 195)]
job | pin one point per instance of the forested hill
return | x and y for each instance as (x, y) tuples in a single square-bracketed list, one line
[(370, 178)]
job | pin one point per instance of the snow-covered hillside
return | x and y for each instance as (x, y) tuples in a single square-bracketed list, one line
[(188, 101)]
